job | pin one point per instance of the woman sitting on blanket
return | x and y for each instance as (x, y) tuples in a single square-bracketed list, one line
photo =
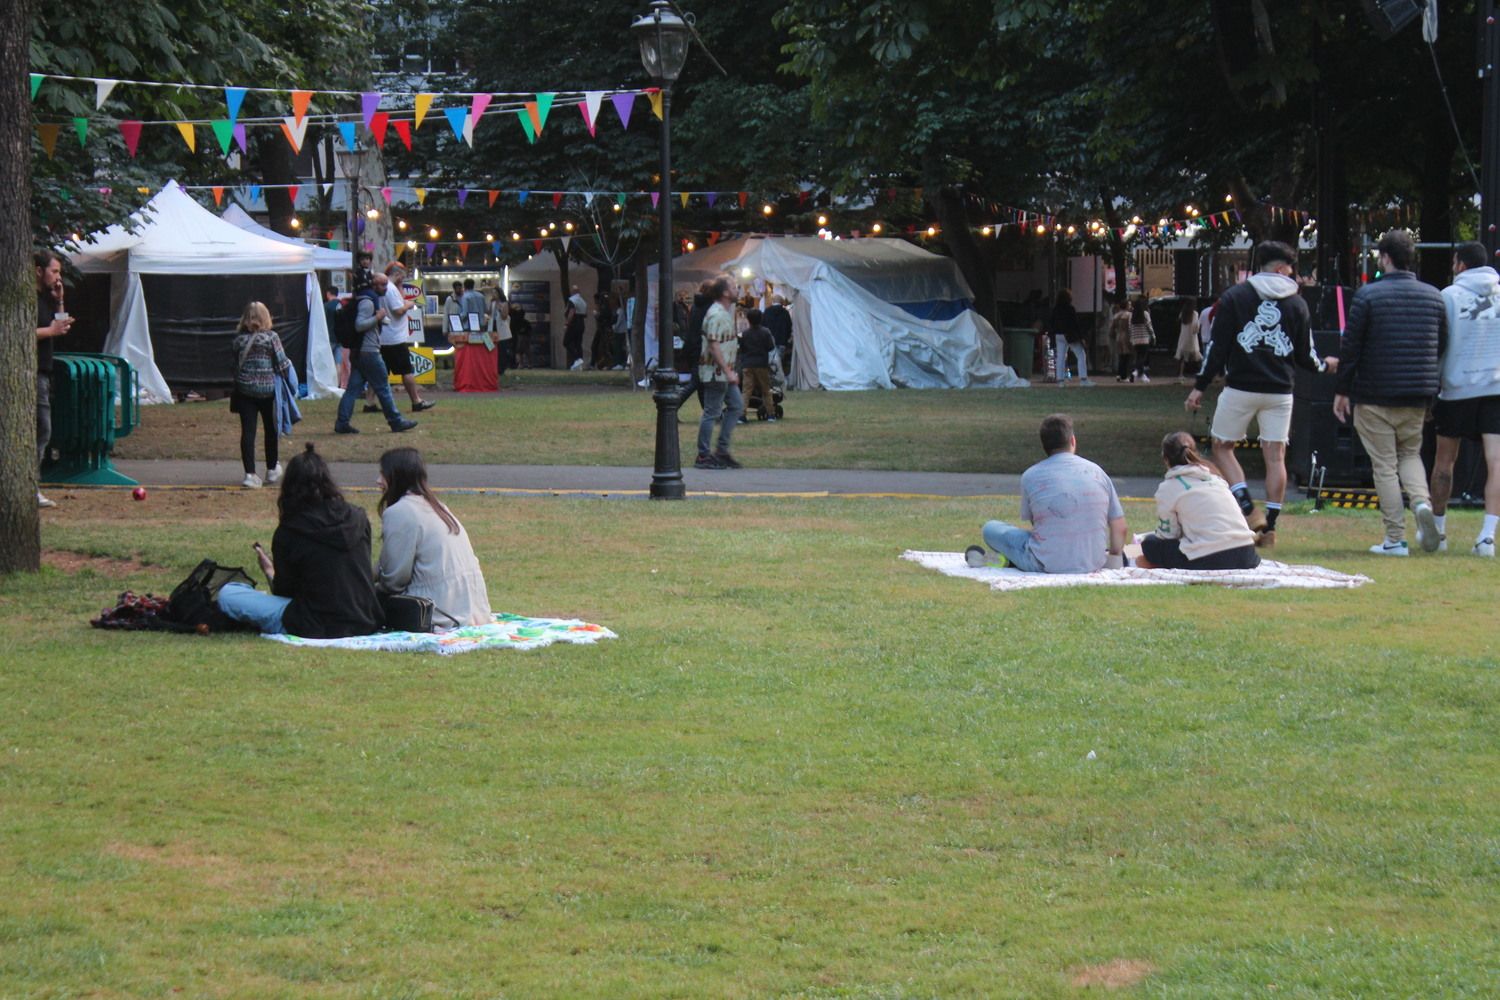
[(319, 566), (1199, 523), (424, 551)]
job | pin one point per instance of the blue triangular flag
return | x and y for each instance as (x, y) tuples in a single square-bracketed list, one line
[(456, 119), (254, 192), (521, 197), (233, 98), (346, 129)]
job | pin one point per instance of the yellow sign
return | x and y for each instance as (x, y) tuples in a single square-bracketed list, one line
[(423, 365)]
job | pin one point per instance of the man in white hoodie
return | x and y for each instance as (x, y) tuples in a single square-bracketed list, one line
[(1261, 332), (1468, 404)]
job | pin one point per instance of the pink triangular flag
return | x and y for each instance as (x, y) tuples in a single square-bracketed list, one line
[(131, 132), (623, 103), (476, 111), (590, 107), (385, 193)]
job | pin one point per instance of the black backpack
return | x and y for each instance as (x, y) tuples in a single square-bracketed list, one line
[(343, 321), (194, 606)]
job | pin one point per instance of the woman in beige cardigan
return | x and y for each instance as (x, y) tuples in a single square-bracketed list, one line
[(424, 551)]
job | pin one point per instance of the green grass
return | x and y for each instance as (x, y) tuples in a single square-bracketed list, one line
[(558, 418), (805, 769)]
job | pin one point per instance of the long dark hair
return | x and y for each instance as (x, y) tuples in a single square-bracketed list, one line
[(307, 483), (404, 473), (1138, 311), (1178, 448)]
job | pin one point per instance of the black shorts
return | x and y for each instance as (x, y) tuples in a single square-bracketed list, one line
[(397, 358), (1466, 418)]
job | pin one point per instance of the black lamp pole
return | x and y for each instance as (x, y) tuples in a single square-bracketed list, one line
[(1489, 163), (663, 39)]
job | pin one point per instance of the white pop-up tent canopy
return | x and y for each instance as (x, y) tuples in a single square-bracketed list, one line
[(868, 313), (196, 272), (324, 259)]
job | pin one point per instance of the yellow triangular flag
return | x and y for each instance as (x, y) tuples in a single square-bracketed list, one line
[(189, 135), (424, 104), (48, 135), (684, 197), (421, 195), (656, 103)]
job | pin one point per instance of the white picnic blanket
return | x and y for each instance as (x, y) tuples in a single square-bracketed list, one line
[(507, 631), (1268, 574)]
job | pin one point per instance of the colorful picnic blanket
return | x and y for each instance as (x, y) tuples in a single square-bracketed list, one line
[(506, 632), (1268, 574)]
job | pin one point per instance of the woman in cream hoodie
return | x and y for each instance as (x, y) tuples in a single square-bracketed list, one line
[(424, 551), (1199, 522)]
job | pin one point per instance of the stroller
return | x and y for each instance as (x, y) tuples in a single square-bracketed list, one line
[(778, 393)]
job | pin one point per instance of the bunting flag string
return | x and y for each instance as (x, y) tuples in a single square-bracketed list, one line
[(423, 98)]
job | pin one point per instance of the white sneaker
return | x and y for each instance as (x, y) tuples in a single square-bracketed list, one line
[(1427, 533), (42, 503), (1389, 549), (644, 383), (576, 366), (1145, 377), (1442, 543), (1485, 547), (1087, 383), (251, 481), (273, 475), (617, 368)]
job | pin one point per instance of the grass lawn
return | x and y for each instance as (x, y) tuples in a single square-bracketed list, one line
[(559, 418), (805, 769)]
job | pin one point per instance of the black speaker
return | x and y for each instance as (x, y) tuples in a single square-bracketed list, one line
[(1389, 16), (1316, 432)]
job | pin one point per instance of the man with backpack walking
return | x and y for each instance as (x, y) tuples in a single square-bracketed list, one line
[(358, 327)]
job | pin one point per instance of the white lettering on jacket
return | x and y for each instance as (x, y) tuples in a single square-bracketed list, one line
[(1266, 329)]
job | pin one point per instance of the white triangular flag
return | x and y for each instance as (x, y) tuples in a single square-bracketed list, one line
[(565, 241), (102, 89), (328, 189), (591, 101)]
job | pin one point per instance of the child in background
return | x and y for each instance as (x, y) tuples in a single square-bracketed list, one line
[(756, 346)]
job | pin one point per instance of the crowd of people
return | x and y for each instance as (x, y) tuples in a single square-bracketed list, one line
[(1408, 349)]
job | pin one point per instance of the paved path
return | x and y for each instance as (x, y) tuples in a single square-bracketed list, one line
[(634, 481)]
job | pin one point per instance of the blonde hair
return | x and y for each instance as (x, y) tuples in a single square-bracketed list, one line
[(255, 318)]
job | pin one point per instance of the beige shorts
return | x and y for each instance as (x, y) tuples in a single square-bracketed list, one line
[(1271, 411)]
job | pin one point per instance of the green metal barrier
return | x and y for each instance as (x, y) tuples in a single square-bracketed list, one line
[(95, 402)]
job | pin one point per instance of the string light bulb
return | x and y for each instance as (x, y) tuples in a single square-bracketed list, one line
[(515, 235), (401, 225), (690, 246), (985, 231), (568, 226), (411, 244), (432, 233), (296, 223), (932, 230), (459, 235), (822, 220), (1041, 230), (766, 209), (617, 206), (877, 229), (1072, 230)]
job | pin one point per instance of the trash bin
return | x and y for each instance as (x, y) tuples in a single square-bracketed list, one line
[(87, 392), (1020, 343)]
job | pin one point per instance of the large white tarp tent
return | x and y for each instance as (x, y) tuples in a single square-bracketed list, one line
[(324, 259), (868, 313), (177, 240)]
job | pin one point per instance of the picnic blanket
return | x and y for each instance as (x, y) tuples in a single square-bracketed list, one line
[(505, 632), (1267, 575)]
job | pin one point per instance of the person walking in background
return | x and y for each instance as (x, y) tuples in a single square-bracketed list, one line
[(574, 311), (1142, 336), (322, 585), (367, 367), (1388, 373), (520, 332), (453, 309), (52, 321), (1119, 340), (1261, 336), (1188, 354), (395, 333), (621, 332), (259, 362), (1468, 406), (424, 550), (722, 402), (601, 350), (1198, 521), (778, 319), (498, 323), (330, 312), (1068, 339), (756, 347)]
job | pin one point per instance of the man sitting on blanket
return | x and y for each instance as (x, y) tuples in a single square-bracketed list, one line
[(1077, 523)]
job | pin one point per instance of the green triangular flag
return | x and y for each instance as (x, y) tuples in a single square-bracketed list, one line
[(525, 117), (36, 84), (81, 126), (224, 132), (620, 200), (543, 105)]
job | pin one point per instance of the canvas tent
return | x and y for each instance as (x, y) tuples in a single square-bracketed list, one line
[(178, 284), (324, 259), (868, 313)]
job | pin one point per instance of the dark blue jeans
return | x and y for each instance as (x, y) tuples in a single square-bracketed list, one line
[(367, 367)]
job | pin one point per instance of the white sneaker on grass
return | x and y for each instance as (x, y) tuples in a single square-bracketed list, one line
[(251, 481), (1427, 530), (1485, 547), (1390, 549)]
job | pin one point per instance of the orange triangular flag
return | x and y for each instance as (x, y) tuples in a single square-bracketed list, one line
[(423, 105), (189, 135), (535, 114), (48, 135), (493, 195), (218, 195), (300, 100)]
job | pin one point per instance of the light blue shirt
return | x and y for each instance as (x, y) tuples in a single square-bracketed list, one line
[(1069, 502)]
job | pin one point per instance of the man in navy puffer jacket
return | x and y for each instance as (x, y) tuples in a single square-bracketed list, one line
[(1388, 369)]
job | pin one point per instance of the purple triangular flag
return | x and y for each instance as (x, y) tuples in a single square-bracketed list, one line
[(463, 196), (712, 197), (624, 104), (369, 103), (239, 137), (655, 198)]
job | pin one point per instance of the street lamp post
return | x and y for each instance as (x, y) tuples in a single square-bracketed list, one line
[(664, 42)]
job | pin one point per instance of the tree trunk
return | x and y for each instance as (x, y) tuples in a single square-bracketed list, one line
[(953, 217), (20, 523), (1118, 258), (638, 332), (276, 167)]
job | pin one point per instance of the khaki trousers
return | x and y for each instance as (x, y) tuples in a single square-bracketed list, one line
[(1392, 435)]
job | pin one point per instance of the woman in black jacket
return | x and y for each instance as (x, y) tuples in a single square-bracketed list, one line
[(322, 586)]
